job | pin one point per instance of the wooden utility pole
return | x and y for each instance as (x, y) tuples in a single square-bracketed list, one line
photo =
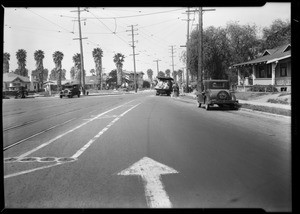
[(133, 49), (81, 74), (172, 52), (157, 65), (200, 51), (186, 45)]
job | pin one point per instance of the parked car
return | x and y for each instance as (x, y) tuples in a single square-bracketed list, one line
[(19, 91), (164, 86), (216, 92), (70, 90)]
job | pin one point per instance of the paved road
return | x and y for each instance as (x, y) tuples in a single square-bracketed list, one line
[(138, 151)]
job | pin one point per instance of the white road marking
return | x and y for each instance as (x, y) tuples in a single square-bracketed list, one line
[(77, 127), (151, 172), (88, 144), (36, 134), (31, 170)]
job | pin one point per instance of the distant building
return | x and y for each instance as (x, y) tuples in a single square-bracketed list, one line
[(272, 68), (130, 77), (12, 81)]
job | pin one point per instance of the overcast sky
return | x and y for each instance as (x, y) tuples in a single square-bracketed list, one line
[(54, 29)]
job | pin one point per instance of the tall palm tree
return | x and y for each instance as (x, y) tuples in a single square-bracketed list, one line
[(168, 72), (150, 74), (21, 57), (57, 58), (118, 60), (98, 54), (77, 67), (6, 58), (38, 57)]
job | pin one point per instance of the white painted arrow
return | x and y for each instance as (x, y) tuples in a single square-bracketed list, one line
[(150, 171)]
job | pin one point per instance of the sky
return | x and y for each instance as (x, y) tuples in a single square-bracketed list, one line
[(156, 30)]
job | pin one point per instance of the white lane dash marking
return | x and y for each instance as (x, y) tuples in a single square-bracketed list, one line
[(77, 127), (151, 171), (88, 144)]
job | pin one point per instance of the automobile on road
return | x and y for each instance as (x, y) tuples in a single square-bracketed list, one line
[(164, 86), (69, 90), (216, 92)]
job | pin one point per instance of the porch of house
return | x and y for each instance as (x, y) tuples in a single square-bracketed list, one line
[(277, 74)]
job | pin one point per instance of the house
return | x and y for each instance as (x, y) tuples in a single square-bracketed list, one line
[(12, 82), (130, 77), (272, 68)]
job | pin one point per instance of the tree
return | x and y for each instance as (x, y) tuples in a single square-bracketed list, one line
[(279, 33), (161, 74), (179, 74), (57, 58), (168, 72), (72, 73), (39, 57), (21, 57), (6, 58), (98, 54), (118, 60), (77, 67), (150, 74)]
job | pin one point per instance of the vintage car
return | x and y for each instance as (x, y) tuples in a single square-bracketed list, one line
[(216, 92), (69, 90), (164, 86)]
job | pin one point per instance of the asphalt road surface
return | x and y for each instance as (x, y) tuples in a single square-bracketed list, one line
[(140, 151)]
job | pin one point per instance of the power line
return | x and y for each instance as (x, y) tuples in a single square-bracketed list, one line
[(132, 16), (107, 27), (49, 21)]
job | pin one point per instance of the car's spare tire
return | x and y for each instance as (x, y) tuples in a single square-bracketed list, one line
[(223, 95)]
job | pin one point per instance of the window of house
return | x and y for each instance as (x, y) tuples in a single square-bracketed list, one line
[(261, 71), (283, 70)]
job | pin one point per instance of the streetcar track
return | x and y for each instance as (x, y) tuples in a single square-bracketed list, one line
[(37, 120)]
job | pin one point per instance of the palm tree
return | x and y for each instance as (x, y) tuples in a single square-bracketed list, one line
[(6, 58), (150, 75), (98, 54), (77, 67), (168, 72), (21, 57), (118, 60), (38, 57), (57, 58)]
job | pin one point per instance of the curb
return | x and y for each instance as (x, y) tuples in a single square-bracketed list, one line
[(192, 100)]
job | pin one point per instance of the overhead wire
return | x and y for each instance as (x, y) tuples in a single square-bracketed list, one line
[(49, 20)]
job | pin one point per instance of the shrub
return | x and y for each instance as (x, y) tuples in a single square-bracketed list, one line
[(264, 88)]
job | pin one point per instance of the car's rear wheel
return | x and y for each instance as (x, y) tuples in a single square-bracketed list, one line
[(60, 96), (78, 94)]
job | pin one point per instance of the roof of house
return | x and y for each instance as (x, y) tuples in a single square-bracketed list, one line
[(269, 56), (10, 77)]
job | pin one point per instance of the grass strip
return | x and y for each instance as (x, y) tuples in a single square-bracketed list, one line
[(273, 110)]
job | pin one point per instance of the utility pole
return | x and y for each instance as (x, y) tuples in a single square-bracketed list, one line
[(157, 65), (172, 52), (81, 74), (186, 45), (133, 49), (200, 51)]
